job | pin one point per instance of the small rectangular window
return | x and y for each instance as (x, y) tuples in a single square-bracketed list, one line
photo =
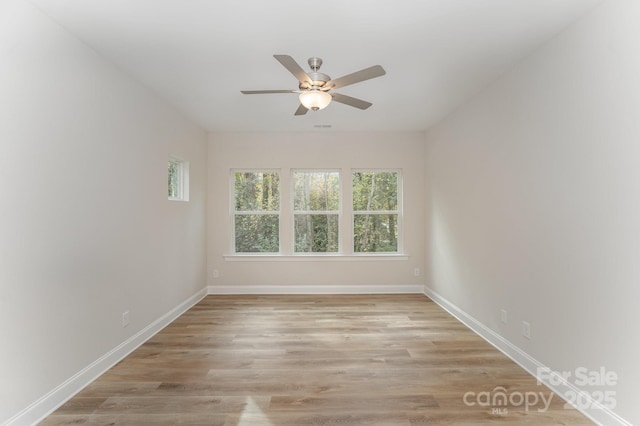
[(316, 211), (256, 218), (178, 182), (376, 211)]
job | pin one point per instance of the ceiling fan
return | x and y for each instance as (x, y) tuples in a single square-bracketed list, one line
[(315, 88)]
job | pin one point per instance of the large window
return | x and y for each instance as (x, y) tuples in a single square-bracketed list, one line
[(375, 211), (316, 211), (321, 213), (256, 211)]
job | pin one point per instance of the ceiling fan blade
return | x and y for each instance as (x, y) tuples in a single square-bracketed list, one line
[(264, 92), (348, 100), (356, 77), (289, 63), (302, 110)]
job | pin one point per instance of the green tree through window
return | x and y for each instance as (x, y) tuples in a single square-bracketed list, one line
[(256, 212), (316, 201), (375, 211), (175, 179)]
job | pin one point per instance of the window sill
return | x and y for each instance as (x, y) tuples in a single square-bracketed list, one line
[(314, 257)]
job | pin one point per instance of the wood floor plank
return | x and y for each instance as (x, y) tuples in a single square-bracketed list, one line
[(192, 419), (183, 404), (312, 360)]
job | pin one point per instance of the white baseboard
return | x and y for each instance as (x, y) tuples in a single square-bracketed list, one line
[(597, 413), (315, 289), (51, 401)]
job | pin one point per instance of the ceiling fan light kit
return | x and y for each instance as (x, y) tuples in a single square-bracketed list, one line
[(314, 87), (315, 99)]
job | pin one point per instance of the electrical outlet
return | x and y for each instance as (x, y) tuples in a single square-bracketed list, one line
[(526, 329), (216, 273), (125, 318), (503, 316), (416, 272)]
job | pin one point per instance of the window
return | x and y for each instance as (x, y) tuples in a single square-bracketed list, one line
[(322, 216), (178, 182), (256, 218), (376, 211), (316, 211)]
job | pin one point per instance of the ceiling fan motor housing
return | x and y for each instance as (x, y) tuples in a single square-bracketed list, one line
[(318, 79)]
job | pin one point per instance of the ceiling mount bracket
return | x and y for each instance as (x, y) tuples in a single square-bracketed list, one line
[(314, 64)]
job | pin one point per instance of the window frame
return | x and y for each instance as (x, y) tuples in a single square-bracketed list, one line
[(400, 222), (286, 233), (234, 212), (182, 173), (293, 212)]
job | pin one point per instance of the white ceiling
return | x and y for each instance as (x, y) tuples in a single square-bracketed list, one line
[(199, 54)]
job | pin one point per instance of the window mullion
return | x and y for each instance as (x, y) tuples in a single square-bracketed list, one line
[(375, 212), (317, 212)]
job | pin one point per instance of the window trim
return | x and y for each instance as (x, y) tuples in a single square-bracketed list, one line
[(182, 187), (331, 257), (346, 213)]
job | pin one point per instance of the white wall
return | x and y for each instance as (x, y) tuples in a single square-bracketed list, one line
[(315, 150), (535, 202), (86, 231)]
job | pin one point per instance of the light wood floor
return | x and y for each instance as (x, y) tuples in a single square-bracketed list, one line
[(312, 360)]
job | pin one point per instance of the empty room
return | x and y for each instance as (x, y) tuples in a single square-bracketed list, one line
[(350, 212)]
